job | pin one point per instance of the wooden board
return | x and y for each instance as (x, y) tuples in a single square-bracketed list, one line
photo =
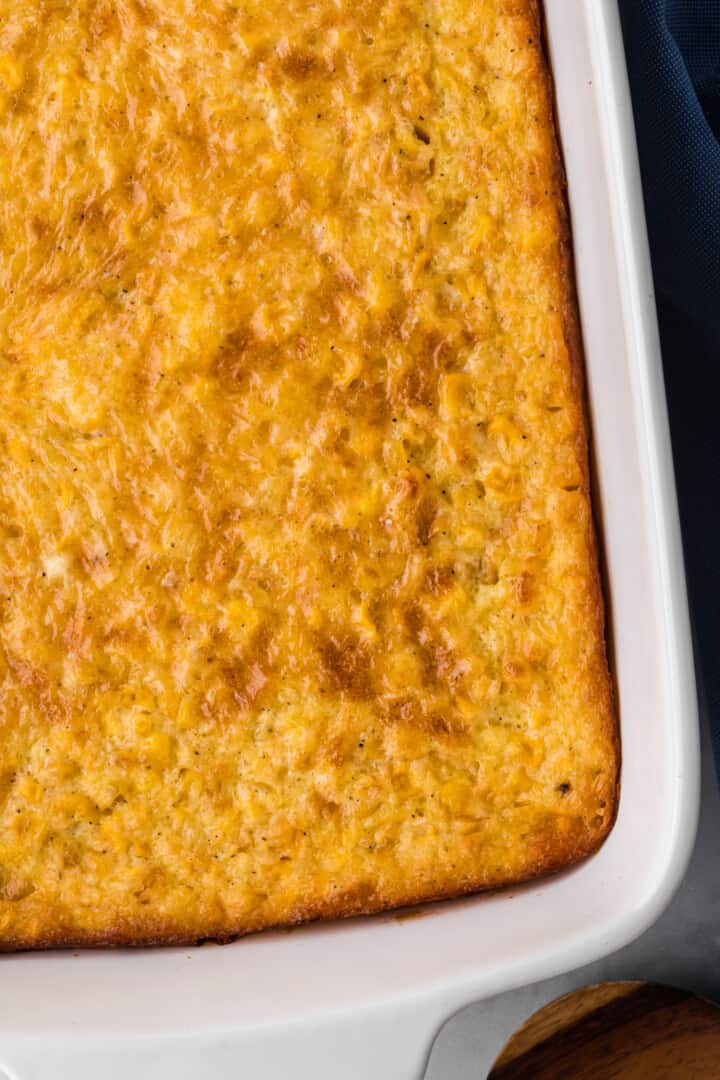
[(616, 1031)]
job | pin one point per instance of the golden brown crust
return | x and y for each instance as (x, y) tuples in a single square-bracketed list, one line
[(300, 608), (573, 334), (348, 905)]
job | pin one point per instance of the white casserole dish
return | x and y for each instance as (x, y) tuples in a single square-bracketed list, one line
[(364, 998)]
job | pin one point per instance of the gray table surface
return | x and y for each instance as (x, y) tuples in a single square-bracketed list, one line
[(682, 948)]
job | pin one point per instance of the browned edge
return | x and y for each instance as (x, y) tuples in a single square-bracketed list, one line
[(587, 456)]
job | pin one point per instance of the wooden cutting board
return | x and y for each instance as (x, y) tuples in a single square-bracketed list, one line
[(616, 1031)]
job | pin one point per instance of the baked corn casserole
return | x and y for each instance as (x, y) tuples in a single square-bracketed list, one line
[(300, 611)]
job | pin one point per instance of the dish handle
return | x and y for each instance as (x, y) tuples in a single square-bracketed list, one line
[(392, 1040)]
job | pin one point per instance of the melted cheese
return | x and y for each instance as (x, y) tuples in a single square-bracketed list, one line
[(298, 597)]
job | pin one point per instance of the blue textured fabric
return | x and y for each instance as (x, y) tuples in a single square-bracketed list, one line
[(673, 53)]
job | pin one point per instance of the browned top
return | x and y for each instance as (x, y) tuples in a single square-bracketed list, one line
[(299, 608)]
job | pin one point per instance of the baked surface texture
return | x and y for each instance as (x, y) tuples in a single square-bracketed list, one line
[(300, 612)]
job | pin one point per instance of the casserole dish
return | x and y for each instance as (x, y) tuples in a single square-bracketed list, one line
[(365, 997)]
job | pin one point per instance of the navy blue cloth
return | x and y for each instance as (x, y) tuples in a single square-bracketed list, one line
[(673, 54)]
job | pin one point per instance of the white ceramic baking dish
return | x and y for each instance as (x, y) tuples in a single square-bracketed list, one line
[(365, 998)]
